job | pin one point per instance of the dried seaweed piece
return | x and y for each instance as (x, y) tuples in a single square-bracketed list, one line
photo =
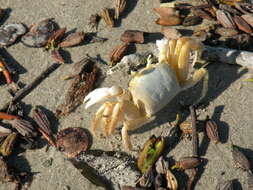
[(105, 14), (44, 125), (72, 141), (7, 145), (84, 77), (94, 20), (120, 6), (24, 127)]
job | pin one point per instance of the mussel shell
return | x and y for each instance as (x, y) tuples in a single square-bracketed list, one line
[(10, 32), (35, 40), (39, 33)]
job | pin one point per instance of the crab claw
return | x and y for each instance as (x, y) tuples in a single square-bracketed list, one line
[(101, 94)]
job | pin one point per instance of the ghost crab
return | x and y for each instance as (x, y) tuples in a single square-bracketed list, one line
[(149, 91)]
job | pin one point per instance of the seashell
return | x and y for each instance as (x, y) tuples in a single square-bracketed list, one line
[(39, 33), (248, 18), (166, 11), (225, 19), (171, 33), (229, 9), (169, 21), (242, 24), (226, 32), (240, 159), (10, 32)]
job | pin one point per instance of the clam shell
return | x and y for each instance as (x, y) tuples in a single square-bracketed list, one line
[(226, 32), (171, 33), (10, 32)]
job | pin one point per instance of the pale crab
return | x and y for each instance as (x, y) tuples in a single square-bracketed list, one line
[(150, 89)]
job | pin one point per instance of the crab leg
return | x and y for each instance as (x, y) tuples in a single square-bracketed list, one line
[(97, 119), (106, 117), (5, 72), (115, 118), (183, 58)]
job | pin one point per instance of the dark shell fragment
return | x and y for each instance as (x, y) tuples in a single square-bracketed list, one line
[(72, 141), (10, 32)]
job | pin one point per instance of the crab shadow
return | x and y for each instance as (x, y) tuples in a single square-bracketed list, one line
[(221, 76)]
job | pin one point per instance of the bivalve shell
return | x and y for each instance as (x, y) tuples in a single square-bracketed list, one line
[(166, 11), (10, 32), (226, 32)]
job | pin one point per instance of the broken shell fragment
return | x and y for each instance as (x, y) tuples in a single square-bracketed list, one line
[(72, 141), (39, 33), (147, 179), (171, 33), (24, 127), (117, 54), (212, 131), (240, 159), (225, 185), (10, 32), (225, 19), (150, 153), (57, 56), (73, 39), (171, 180), (187, 163), (7, 145), (132, 36), (44, 125), (169, 21), (106, 16), (226, 32), (242, 24), (4, 131), (164, 12)]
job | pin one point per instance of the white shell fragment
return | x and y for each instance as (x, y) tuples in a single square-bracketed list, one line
[(10, 32)]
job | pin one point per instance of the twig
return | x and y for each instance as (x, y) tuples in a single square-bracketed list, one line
[(230, 56), (195, 139), (26, 90)]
